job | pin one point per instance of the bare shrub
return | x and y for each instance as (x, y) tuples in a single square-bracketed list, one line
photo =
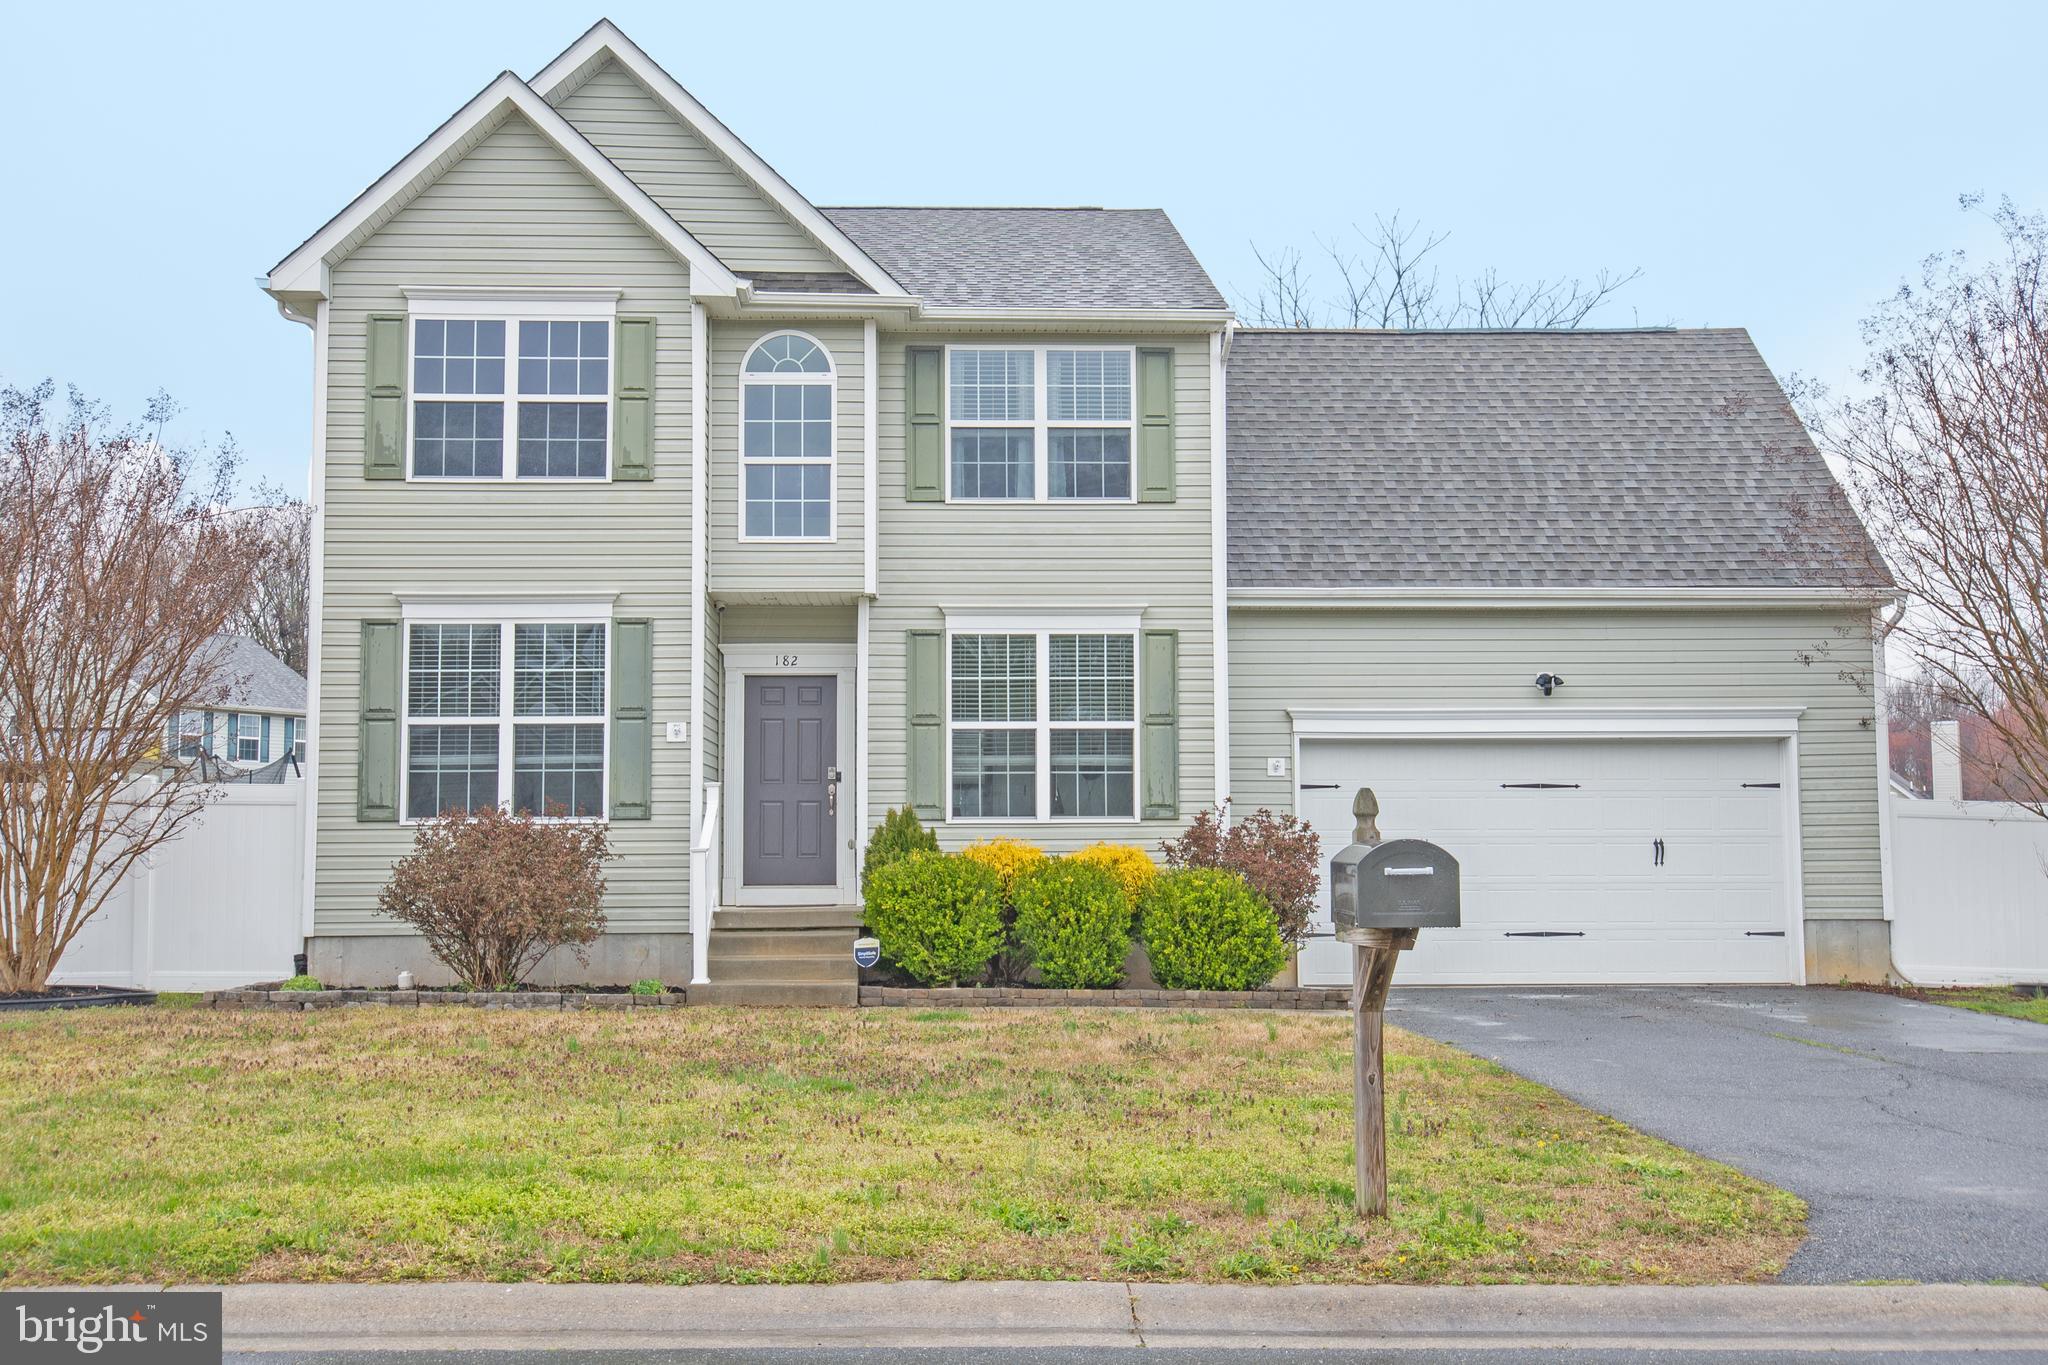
[(493, 893)]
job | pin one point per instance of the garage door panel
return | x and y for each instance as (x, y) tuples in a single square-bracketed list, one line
[(1564, 883)]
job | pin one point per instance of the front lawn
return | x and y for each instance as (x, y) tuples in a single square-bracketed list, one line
[(1991, 1000), (709, 1144)]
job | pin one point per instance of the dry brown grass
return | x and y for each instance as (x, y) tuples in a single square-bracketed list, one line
[(686, 1145)]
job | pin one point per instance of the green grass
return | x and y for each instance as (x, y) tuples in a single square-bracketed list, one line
[(1994, 1000), (723, 1145)]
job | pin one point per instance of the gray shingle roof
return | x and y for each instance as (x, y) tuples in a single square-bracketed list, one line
[(1527, 459), (806, 282), (1033, 258), (256, 679)]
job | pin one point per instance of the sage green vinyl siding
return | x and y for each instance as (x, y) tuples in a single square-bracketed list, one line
[(834, 565), (1043, 556), (1283, 659), (513, 213), (792, 625), (680, 171)]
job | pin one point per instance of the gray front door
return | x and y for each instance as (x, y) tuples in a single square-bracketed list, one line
[(792, 738)]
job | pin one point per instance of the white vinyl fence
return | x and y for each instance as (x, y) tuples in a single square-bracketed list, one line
[(216, 907), (1969, 892)]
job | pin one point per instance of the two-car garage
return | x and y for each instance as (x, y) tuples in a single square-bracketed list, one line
[(1585, 858)]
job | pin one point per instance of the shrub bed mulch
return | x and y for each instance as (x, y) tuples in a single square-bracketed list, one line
[(259, 997), (75, 998), (1027, 997), (962, 997)]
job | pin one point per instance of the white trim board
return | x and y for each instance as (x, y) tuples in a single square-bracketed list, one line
[(606, 39), (1546, 722), (1486, 598), (304, 271)]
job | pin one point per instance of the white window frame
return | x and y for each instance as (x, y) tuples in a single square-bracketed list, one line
[(241, 724), (505, 618), (831, 462), (434, 307), (1041, 424), (1043, 725)]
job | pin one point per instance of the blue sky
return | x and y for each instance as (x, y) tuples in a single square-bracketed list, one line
[(1778, 166)]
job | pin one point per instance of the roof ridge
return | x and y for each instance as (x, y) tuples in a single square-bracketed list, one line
[(984, 208)]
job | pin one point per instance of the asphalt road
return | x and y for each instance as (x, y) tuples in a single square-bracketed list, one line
[(1120, 1355), (1914, 1132)]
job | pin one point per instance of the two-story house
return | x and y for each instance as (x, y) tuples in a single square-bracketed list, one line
[(650, 492)]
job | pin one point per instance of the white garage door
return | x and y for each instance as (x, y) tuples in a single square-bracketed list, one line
[(1582, 860)]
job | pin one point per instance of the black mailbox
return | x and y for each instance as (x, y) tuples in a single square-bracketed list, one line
[(1400, 884)]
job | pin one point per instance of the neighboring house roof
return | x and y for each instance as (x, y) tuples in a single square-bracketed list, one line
[(1034, 258), (1566, 459), (256, 679)]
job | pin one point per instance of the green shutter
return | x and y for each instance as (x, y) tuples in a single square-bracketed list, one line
[(632, 720), (1162, 725), (1155, 424), (927, 775), (924, 455), (633, 410), (377, 725), (384, 415)]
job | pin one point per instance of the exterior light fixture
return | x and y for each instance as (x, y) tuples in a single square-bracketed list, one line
[(1549, 682)]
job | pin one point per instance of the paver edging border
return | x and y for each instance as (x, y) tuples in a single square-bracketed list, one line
[(262, 998), (1030, 997)]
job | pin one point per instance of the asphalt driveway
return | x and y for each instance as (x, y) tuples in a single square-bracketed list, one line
[(1917, 1134)]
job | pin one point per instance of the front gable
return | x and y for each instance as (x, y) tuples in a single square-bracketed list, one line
[(698, 187), (696, 169), (303, 275)]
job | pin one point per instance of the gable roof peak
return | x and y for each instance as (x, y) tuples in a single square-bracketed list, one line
[(606, 39), (303, 271)]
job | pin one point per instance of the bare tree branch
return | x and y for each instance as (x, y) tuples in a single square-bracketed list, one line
[(118, 568), (1391, 280), (1946, 452)]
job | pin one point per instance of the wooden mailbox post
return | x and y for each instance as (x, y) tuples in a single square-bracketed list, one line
[(1381, 894)]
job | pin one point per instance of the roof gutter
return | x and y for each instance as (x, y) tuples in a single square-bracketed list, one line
[(1496, 598)]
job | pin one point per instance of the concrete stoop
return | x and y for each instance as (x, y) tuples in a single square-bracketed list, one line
[(782, 955)]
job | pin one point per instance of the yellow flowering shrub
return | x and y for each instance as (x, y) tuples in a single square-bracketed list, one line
[(1006, 857), (1131, 866)]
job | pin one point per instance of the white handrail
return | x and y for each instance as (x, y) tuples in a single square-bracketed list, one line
[(704, 883)]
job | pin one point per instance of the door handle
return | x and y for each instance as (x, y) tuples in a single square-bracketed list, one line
[(832, 778)]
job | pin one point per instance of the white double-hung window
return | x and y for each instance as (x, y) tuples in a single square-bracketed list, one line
[(1042, 725), (1039, 423), (506, 712), (498, 393)]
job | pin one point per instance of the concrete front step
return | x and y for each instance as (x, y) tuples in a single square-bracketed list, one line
[(789, 942), (786, 917), (757, 994), (837, 967)]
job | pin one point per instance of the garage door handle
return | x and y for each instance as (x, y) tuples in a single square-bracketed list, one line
[(1319, 786), (1544, 933), (1764, 933), (1540, 786)]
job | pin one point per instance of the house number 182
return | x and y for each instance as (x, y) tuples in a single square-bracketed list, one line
[(785, 661)]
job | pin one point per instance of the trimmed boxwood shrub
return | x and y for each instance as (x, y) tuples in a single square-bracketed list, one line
[(1074, 921), (939, 916), (1207, 930), (899, 835)]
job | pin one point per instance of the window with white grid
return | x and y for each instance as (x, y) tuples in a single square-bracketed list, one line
[(1045, 423), (1043, 725), (509, 713), (544, 384), (786, 443)]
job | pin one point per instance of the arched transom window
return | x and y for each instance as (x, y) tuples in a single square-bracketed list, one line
[(786, 403)]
